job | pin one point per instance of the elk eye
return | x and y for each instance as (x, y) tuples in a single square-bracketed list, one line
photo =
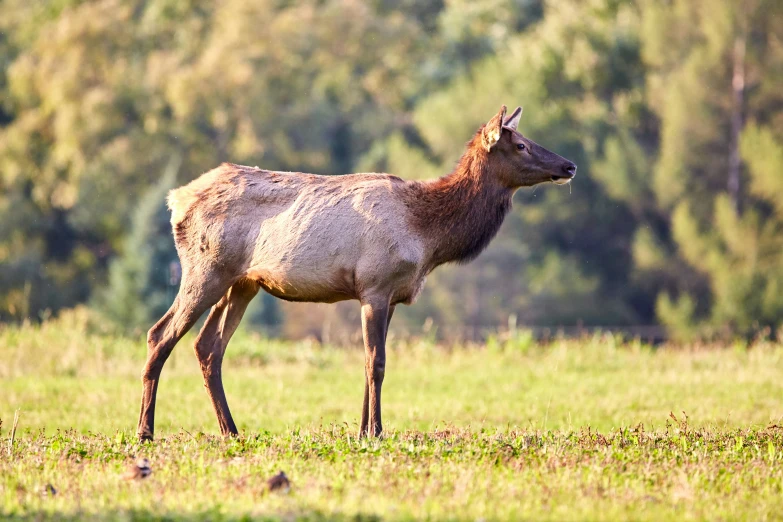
[(520, 146)]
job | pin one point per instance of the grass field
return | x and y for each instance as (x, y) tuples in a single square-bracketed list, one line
[(510, 430)]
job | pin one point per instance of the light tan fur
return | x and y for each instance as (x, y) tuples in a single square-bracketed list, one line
[(301, 237)]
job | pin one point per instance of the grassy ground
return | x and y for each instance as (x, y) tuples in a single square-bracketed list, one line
[(506, 431)]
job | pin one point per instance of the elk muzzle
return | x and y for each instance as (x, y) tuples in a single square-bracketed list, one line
[(566, 174)]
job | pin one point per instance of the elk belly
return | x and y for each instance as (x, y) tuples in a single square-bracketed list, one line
[(295, 285)]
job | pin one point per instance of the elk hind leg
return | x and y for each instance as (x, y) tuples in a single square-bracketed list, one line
[(192, 300), (211, 346)]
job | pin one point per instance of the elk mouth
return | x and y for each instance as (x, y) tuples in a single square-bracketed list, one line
[(562, 180)]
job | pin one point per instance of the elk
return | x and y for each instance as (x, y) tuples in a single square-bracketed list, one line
[(305, 237)]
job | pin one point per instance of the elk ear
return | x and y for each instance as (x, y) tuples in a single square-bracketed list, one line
[(513, 121), (493, 130)]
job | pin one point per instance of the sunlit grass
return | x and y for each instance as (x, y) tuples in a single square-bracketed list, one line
[(505, 430)]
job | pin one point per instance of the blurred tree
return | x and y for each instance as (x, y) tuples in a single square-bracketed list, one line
[(740, 254), (142, 280), (265, 315), (712, 67), (672, 111)]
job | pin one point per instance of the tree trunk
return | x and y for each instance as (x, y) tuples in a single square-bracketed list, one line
[(738, 91)]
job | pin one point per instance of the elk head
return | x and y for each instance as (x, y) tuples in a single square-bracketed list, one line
[(517, 161)]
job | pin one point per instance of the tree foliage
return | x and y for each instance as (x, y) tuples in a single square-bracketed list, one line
[(671, 110)]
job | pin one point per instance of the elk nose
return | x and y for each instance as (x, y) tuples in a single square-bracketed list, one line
[(570, 169)]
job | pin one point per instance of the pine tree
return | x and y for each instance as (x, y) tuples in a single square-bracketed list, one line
[(140, 288), (712, 66)]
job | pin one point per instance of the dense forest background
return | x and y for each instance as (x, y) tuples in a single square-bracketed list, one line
[(672, 110)]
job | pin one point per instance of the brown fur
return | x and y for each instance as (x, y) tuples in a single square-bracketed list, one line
[(303, 237), (461, 212)]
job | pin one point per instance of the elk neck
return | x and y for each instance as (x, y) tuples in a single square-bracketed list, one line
[(460, 213)]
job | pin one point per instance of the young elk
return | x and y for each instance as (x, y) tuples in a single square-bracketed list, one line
[(303, 237)]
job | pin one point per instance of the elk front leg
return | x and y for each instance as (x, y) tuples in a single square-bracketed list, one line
[(366, 404), (376, 315)]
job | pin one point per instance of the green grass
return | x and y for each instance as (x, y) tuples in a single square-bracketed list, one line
[(510, 430)]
